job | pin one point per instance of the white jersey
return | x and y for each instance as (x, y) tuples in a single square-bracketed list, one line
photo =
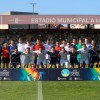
[(62, 45), (47, 47), (21, 47), (29, 56), (67, 48), (88, 46), (31, 47), (41, 55), (63, 55), (84, 53)]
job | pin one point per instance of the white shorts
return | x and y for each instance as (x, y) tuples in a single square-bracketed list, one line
[(41, 61), (62, 62), (28, 61), (84, 60), (22, 58), (47, 56), (68, 57)]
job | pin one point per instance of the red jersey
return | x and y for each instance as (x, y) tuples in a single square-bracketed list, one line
[(5, 52), (57, 48), (36, 47)]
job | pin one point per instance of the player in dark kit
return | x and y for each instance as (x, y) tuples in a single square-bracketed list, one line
[(54, 58), (15, 59), (94, 57), (73, 58), (12, 46), (0, 55)]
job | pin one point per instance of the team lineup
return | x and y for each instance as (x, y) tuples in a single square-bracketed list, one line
[(74, 54)]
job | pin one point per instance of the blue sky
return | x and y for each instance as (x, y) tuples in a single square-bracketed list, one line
[(63, 7)]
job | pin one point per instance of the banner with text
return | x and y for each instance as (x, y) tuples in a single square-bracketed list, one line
[(32, 74), (49, 19)]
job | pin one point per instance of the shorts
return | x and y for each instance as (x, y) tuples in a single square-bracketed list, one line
[(5, 60), (74, 61), (53, 62), (22, 58), (86, 61), (28, 61), (16, 63), (62, 62), (41, 61), (94, 60), (0, 59)]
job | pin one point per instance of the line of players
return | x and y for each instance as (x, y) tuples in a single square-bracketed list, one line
[(71, 55)]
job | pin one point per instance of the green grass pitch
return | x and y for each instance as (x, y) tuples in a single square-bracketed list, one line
[(69, 90)]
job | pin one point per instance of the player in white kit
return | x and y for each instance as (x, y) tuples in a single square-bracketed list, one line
[(41, 58), (63, 58), (29, 58), (84, 55)]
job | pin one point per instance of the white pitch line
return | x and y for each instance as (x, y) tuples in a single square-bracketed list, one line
[(40, 95)]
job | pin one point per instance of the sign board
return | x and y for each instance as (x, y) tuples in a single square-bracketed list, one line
[(32, 74), (49, 19)]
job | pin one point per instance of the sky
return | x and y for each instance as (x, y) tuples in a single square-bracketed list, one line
[(55, 7)]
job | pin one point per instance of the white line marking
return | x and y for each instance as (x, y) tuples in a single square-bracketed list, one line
[(40, 95)]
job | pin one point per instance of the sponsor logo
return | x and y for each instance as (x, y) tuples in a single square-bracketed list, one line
[(61, 79), (7, 78), (65, 72), (75, 73), (0, 78), (4, 73), (77, 79)]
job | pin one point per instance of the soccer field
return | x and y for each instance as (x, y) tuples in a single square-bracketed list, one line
[(50, 90)]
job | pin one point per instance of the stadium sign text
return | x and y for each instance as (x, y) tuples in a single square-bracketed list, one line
[(50, 19)]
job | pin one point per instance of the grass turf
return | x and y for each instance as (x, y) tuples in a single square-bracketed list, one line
[(51, 90)]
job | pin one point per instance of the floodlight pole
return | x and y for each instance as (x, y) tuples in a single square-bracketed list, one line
[(33, 4)]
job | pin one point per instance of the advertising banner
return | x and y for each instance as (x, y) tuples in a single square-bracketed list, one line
[(32, 74)]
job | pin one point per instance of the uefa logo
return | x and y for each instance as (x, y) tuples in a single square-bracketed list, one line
[(65, 72)]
